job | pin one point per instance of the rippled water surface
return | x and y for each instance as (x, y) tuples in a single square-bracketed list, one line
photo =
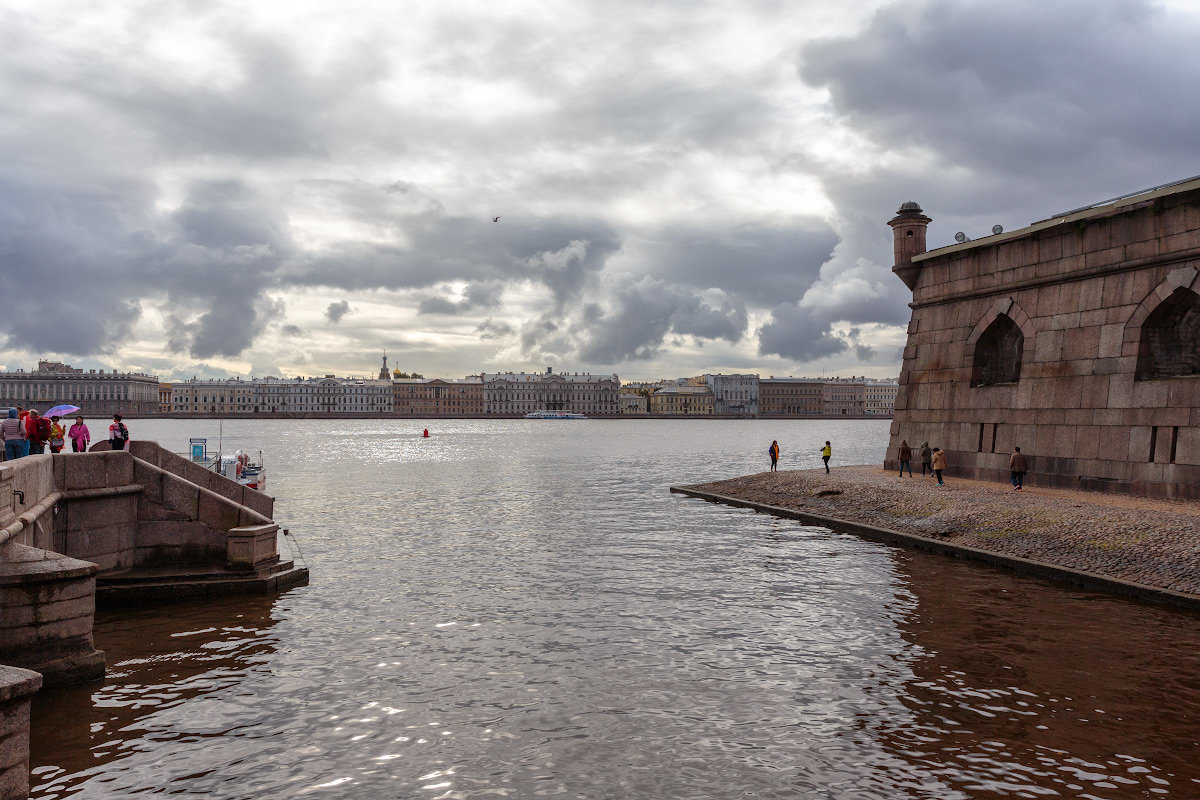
[(521, 609)]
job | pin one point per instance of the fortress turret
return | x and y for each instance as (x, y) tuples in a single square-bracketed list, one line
[(908, 230)]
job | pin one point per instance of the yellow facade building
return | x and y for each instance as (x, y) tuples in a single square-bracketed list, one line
[(692, 401)]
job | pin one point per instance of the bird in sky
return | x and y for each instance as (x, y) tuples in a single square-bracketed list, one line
[(495, 219)]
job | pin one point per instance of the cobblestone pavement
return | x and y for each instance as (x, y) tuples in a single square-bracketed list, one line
[(1152, 542)]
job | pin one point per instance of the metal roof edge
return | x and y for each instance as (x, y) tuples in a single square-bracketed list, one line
[(1104, 208)]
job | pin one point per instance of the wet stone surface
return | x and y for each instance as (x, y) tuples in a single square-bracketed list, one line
[(1151, 542)]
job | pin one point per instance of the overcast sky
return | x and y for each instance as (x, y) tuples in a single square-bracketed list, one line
[(210, 188)]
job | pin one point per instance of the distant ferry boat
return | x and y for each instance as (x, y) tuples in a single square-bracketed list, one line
[(554, 415)]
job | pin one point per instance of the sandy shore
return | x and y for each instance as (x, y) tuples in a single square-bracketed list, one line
[(1154, 543)]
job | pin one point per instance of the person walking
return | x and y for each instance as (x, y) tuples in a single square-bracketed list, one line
[(926, 459), (1017, 466), (938, 464), (118, 434), (773, 452), (905, 458), (12, 431), (58, 436), (37, 431), (80, 436), (826, 452)]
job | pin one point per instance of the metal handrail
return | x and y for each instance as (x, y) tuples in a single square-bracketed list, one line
[(30, 517)]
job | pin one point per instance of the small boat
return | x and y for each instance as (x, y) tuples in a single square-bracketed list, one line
[(238, 467), (554, 415)]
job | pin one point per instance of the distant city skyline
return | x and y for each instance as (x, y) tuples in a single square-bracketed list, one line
[(672, 189), (34, 368)]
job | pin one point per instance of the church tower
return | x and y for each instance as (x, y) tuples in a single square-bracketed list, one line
[(383, 371), (908, 231)]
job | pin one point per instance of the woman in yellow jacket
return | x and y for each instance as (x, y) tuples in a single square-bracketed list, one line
[(58, 436), (826, 452)]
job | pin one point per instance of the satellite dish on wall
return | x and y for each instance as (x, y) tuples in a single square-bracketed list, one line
[(961, 237), (997, 229)]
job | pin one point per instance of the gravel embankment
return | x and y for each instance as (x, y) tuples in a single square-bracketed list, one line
[(1152, 542)]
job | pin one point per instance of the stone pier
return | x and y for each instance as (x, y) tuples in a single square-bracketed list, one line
[(47, 604), (81, 528)]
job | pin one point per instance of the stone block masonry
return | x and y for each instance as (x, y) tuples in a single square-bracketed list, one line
[(47, 603), (1076, 339), (17, 687)]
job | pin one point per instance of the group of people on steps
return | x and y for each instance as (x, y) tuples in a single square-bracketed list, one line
[(27, 433)]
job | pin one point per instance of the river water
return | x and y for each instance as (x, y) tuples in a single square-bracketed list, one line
[(514, 609)]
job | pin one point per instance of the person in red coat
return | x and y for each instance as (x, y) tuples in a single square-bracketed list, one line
[(37, 431)]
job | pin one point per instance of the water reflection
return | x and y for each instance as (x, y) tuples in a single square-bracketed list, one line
[(524, 611), (1020, 685), (155, 667)]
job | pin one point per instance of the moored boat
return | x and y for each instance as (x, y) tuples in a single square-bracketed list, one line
[(238, 466), (546, 414)]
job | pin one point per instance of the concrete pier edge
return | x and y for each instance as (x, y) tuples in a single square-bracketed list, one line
[(1026, 566)]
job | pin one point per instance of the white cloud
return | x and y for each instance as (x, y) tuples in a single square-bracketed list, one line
[(682, 187)]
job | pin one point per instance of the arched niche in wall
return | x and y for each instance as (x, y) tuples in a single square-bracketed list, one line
[(996, 347), (998, 353), (1170, 338), (1164, 330)]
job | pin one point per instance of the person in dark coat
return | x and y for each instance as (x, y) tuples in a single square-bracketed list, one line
[(926, 459), (118, 434), (773, 452), (1017, 465), (905, 458)]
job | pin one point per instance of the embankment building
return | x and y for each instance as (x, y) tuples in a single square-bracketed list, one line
[(101, 393), (1076, 339), (522, 392)]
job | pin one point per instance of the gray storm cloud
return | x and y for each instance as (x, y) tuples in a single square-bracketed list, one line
[(336, 310), (1000, 108), (1024, 106), (649, 187), (475, 296), (644, 313)]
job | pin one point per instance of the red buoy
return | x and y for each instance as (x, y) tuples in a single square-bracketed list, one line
[(426, 434)]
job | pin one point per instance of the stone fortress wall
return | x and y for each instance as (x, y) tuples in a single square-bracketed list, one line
[(1076, 339)]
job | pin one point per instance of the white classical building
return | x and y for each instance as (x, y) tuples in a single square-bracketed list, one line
[(523, 392), (95, 391), (734, 394), (291, 395), (212, 396), (366, 397)]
